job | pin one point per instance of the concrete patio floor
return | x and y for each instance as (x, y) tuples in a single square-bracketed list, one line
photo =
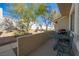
[(7, 50), (45, 50)]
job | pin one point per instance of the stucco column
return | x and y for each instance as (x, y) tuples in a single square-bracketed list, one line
[(76, 23)]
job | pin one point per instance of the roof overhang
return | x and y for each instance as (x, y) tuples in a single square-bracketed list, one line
[(64, 8)]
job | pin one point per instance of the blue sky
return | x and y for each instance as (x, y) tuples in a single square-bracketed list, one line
[(54, 6)]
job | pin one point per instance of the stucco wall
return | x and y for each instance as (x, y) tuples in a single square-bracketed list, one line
[(26, 44), (75, 9), (62, 23)]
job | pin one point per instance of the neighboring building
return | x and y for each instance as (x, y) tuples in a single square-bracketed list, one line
[(35, 26), (1, 13)]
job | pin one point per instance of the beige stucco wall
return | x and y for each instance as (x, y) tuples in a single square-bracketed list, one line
[(75, 10), (62, 23), (27, 44)]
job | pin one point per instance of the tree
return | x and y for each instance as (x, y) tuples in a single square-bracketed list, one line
[(25, 13), (43, 12), (7, 24), (47, 14), (28, 13)]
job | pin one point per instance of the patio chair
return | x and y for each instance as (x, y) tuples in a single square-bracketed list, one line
[(64, 43)]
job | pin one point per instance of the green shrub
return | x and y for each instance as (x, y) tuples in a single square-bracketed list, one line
[(20, 33)]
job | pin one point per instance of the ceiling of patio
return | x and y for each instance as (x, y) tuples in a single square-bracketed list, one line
[(64, 8)]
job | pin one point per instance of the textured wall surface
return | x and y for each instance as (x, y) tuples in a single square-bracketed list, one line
[(27, 44), (62, 23)]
